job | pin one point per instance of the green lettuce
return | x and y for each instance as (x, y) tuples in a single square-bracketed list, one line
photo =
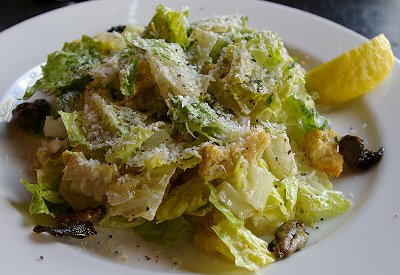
[(128, 72), (190, 115), (45, 196), (38, 204), (85, 181), (189, 198), (170, 69), (169, 25), (248, 250), (316, 203), (307, 117), (253, 182), (279, 156), (139, 195), (68, 69), (280, 207), (73, 124)]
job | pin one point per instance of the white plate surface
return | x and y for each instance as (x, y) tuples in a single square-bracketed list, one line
[(365, 240)]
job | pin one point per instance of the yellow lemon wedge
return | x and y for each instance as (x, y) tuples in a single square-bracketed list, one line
[(353, 73)]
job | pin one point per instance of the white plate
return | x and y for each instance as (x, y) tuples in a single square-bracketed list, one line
[(363, 241)]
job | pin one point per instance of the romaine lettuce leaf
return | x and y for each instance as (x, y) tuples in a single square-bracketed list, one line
[(190, 115), (139, 195), (170, 69), (307, 117), (253, 182), (169, 25), (249, 251), (68, 69), (314, 204), (188, 198), (279, 156), (73, 124), (128, 72), (85, 181), (44, 201)]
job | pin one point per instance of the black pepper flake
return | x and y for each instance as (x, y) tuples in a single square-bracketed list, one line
[(110, 236), (147, 257), (317, 227), (147, 208), (321, 219), (116, 252), (41, 257)]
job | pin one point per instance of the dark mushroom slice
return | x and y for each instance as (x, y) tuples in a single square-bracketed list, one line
[(289, 238), (31, 115), (78, 230), (354, 154), (118, 28), (78, 224)]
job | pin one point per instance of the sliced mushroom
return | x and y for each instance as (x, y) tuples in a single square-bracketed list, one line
[(78, 224), (31, 115), (78, 230), (289, 238), (354, 153)]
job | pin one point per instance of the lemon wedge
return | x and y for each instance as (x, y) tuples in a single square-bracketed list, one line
[(353, 73)]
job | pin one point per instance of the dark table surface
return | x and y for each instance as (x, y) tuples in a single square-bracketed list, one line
[(367, 17)]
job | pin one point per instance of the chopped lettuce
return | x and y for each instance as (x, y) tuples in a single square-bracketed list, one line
[(169, 25), (128, 73), (68, 69), (189, 198), (45, 196), (307, 117), (170, 69), (253, 182), (73, 124), (248, 250), (314, 204), (279, 156), (190, 115), (134, 196)]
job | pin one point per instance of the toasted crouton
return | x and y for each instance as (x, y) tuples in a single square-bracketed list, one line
[(320, 147)]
